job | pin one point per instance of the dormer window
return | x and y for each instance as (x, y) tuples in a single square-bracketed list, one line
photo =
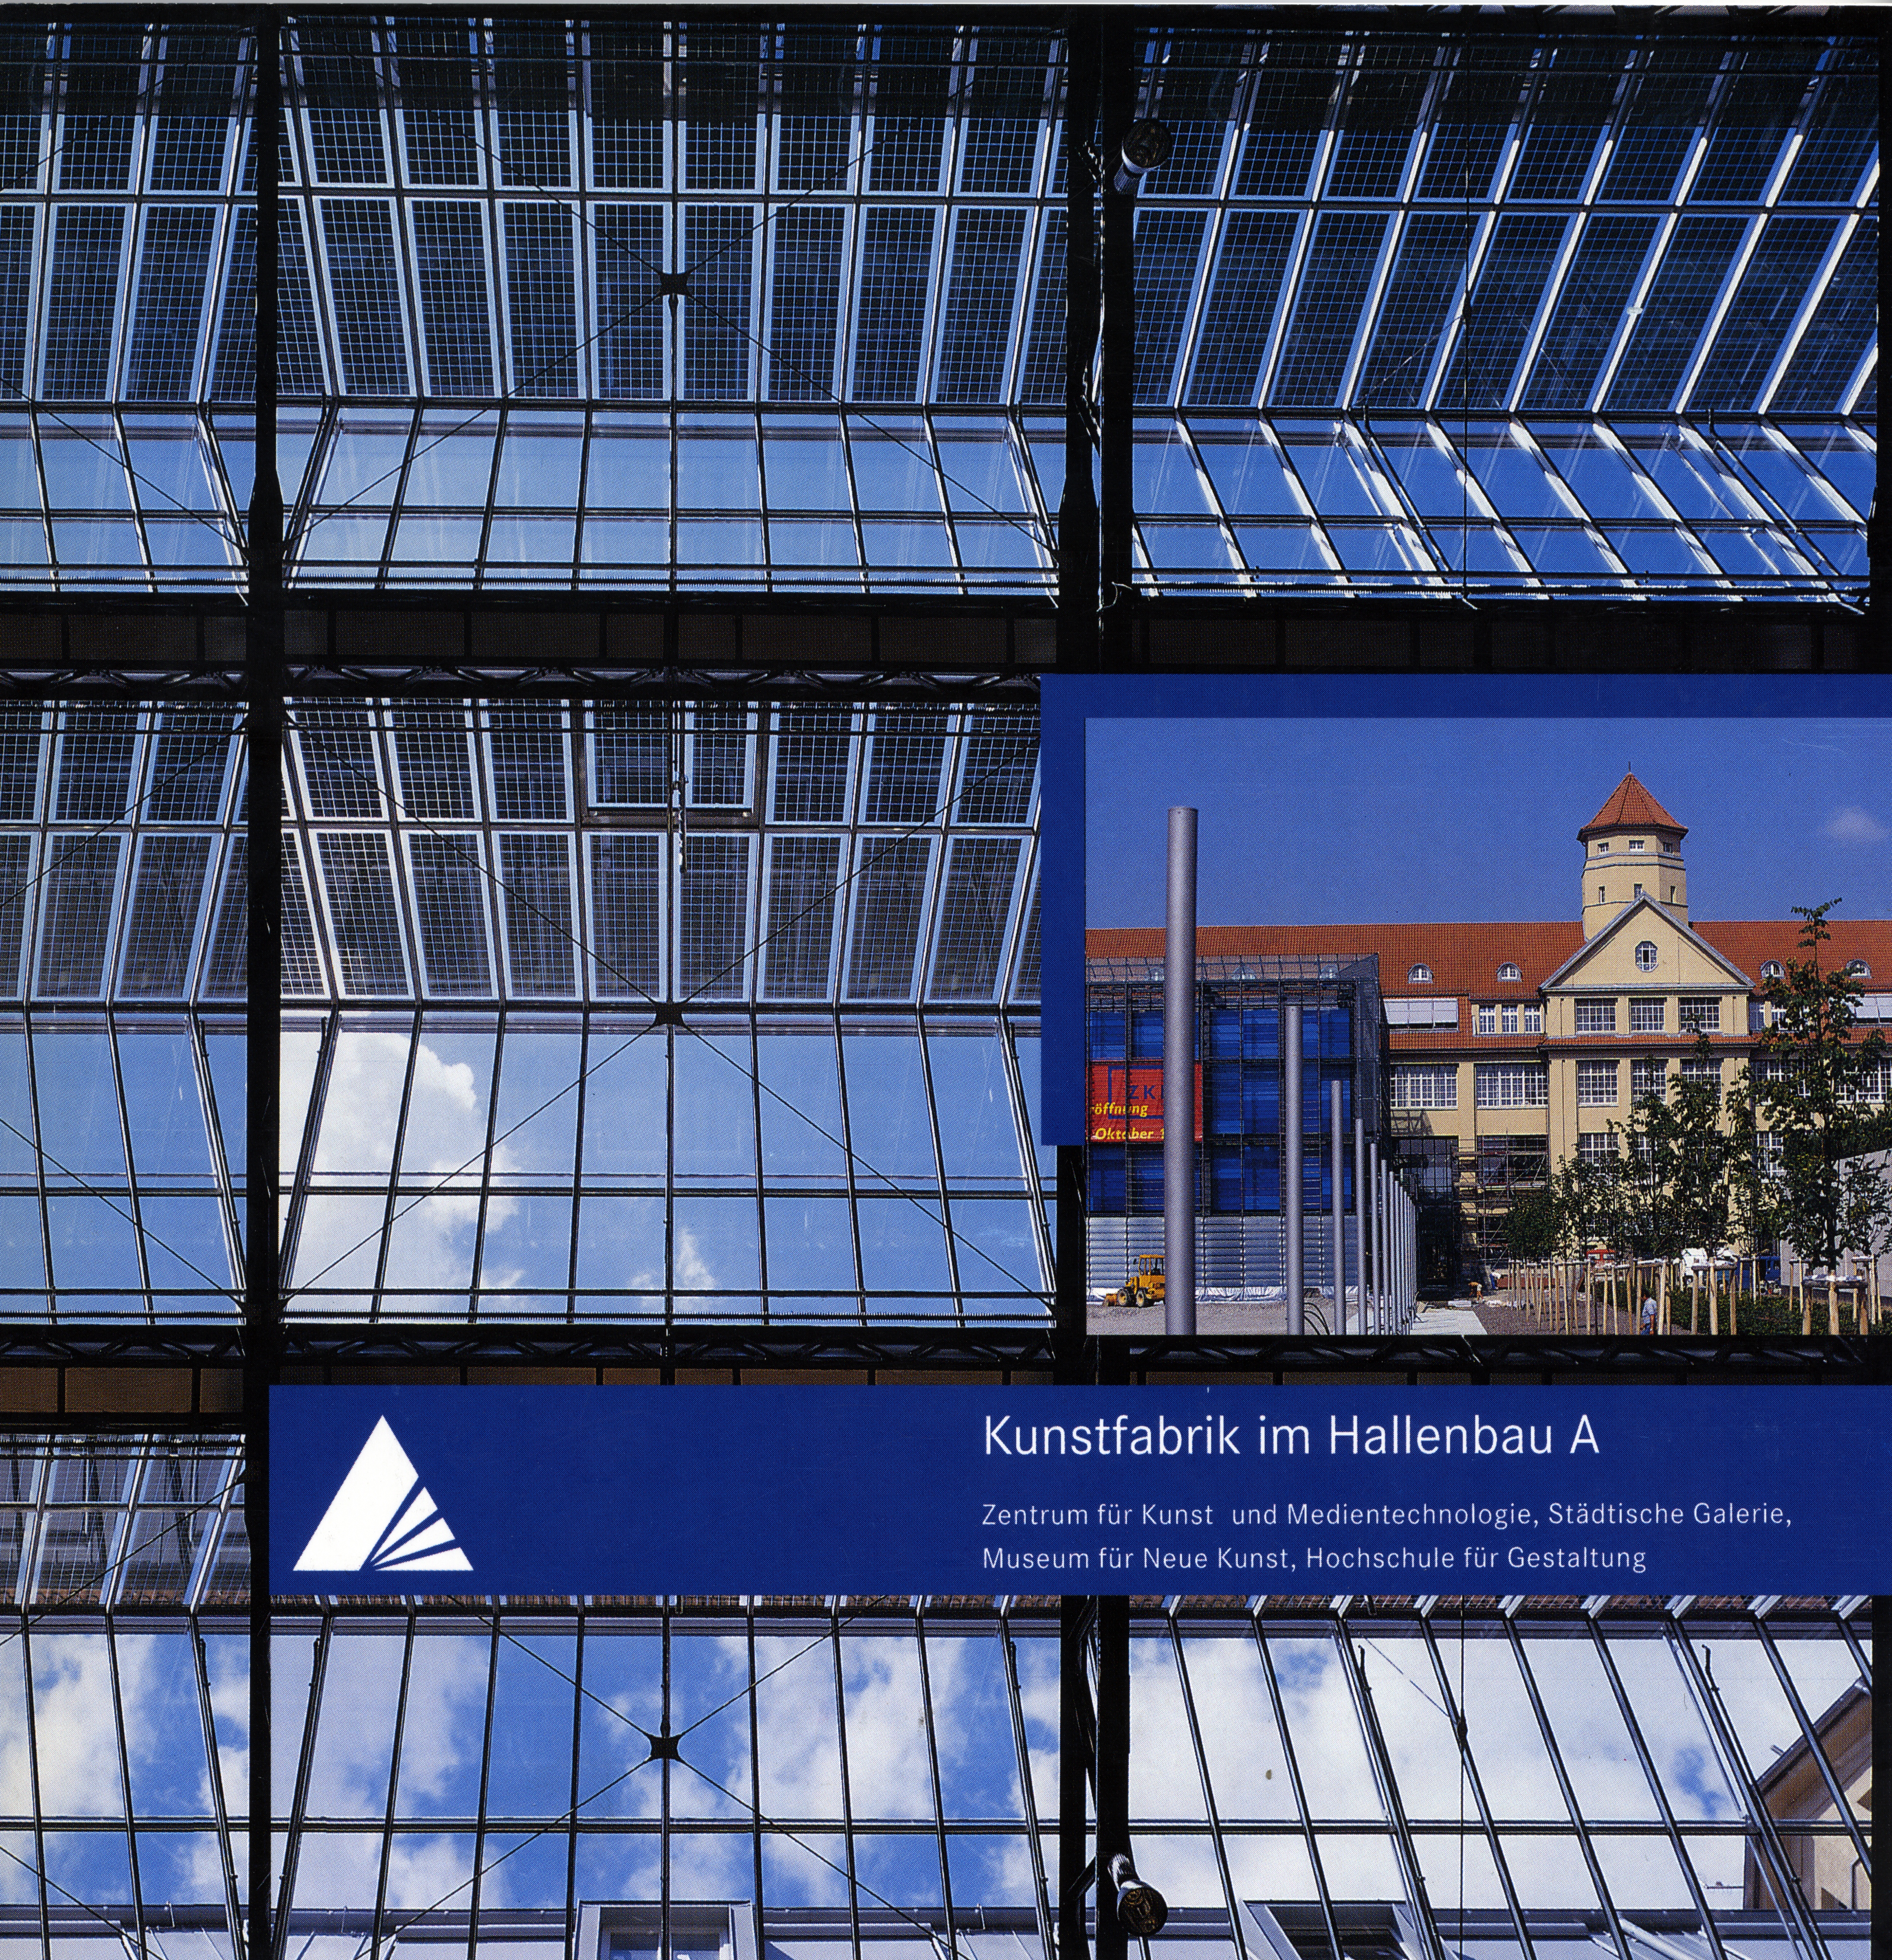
[(1771, 969), (1857, 969), (1645, 956), (1510, 970), (1419, 975)]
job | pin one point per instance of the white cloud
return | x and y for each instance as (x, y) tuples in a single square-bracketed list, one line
[(1853, 825)]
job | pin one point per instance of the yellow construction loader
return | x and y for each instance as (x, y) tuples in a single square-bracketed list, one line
[(1145, 1288)]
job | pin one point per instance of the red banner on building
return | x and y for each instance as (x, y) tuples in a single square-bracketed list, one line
[(1127, 1102)]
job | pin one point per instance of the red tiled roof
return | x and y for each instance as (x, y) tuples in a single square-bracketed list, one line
[(1464, 958), (1630, 805)]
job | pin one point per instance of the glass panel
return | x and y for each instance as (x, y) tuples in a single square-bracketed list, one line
[(978, 1134), (163, 1107), (715, 1137), (361, 1104), (889, 1127), (78, 1102), (626, 1089), (800, 1108), (535, 1131)]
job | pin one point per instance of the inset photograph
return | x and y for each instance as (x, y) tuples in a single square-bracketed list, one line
[(1590, 1016)]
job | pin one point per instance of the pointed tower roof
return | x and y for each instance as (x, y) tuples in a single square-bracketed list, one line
[(1630, 806)]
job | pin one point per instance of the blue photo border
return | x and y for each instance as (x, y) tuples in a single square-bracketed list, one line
[(1067, 701)]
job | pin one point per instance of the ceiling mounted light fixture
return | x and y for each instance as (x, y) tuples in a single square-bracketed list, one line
[(1145, 146)]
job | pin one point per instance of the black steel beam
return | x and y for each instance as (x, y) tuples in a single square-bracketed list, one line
[(1078, 511), (1117, 377)]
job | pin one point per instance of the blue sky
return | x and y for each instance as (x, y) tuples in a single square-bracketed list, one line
[(1322, 821)]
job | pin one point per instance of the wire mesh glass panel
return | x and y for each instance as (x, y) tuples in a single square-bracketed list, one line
[(541, 300), (168, 892), (337, 749), (226, 966), (812, 758), (999, 768), (93, 765), (626, 945), (82, 301), (1690, 273), (904, 755), (890, 893), (890, 304), (363, 919), (718, 254), (527, 748), (1334, 284), (1245, 281), (80, 879), (1167, 247), (449, 911), (365, 280), (713, 901), (170, 303), (1840, 336), (1043, 377), (980, 290), (450, 269), (804, 301), (629, 243), (975, 907), (535, 876), (798, 938)]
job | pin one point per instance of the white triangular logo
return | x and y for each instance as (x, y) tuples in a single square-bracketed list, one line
[(381, 1520)]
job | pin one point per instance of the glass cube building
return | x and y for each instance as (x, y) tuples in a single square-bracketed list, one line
[(620, 480)]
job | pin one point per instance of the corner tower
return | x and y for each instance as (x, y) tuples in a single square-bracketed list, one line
[(1632, 849)]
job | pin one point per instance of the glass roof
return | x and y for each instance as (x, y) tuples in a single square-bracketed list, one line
[(704, 854), (785, 886), (653, 305)]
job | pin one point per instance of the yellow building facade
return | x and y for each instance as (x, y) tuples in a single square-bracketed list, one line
[(1512, 1046)]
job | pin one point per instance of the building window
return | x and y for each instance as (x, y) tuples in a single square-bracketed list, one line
[(1513, 1085), (1770, 969), (1708, 1073), (1636, 843), (1649, 1017), (1648, 1078), (1510, 970), (1645, 958), (1699, 1016), (1488, 1017), (1857, 969), (1419, 975), (1596, 1017), (1508, 1017), (1534, 1017), (1603, 846), (1638, 891), (1599, 895), (1425, 1085), (1596, 1085), (1597, 1146)]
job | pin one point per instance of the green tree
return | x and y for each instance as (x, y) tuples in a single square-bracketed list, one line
[(1679, 1154), (1531, 1227), (1815, 1078)]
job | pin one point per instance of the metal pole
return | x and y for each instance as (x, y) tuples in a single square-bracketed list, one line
[(1379, 1243), (1339, 1211), (1290, 1163), (1359, 1217), (1179, 1079)]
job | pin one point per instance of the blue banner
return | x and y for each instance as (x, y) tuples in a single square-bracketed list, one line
[(1237, 1490)]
